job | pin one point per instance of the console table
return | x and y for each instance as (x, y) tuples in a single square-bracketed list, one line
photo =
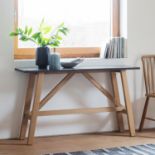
[(34, 88)]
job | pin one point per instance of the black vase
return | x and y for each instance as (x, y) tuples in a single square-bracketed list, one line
[(42, 57)]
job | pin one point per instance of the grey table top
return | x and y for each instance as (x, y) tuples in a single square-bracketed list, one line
[(109, 68)]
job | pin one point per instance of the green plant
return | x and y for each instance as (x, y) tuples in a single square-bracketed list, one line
[(45, 36)]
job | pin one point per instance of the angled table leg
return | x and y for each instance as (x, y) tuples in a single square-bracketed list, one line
[(117, 101), (35, 108), (28, 99), (55, 89), (128, 104)]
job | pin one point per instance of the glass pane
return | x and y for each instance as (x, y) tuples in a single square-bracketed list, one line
[(88, 20)]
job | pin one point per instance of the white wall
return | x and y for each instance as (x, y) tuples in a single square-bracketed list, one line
[(141, 41), (140, 31)]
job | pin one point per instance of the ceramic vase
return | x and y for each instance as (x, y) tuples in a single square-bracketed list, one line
[(55, 61), (42, 57)]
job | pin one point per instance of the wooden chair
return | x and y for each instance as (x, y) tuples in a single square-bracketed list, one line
[(148, 62)]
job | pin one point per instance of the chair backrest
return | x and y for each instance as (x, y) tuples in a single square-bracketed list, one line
[(148, 62)]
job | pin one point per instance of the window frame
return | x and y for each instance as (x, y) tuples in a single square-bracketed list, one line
[(29, 53)]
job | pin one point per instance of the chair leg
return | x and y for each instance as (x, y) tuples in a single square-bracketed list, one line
[(144, 114)]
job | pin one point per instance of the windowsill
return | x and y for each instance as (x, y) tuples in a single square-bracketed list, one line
[(70, 52)]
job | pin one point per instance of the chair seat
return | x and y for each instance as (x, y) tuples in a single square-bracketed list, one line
[(150, 95)]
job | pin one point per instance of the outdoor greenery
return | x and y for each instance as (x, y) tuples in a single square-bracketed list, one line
[(45, 36)]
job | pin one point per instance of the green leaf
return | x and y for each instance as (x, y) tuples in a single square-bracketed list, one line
[(24, 38), (20, 30), (30, 31), (39, 40), (46, 29), (59, 37), (26, 30), (61, 25), (36, 35), (56, 43), (12, 34), (17, 30), (63, 31), (42, 24)]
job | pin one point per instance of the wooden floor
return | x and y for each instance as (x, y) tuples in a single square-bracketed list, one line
[(75, 143)]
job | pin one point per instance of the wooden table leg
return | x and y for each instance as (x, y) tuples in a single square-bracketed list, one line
[(28, 99), (117, 101), (35, 109), (128, 104)]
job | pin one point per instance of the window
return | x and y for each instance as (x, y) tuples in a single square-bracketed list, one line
[(90, 23)]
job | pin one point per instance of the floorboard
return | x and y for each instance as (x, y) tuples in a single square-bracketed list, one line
[(74, 143)]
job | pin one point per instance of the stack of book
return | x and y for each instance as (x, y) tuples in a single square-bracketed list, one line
[(116, 48)]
